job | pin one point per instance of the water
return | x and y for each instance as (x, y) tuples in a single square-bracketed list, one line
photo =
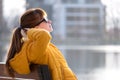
[(101, 62)]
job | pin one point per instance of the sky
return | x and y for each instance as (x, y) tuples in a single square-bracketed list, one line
[(112, 11), (112, 6), (13, 6)]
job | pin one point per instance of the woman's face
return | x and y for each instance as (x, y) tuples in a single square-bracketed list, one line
[(45, 24)]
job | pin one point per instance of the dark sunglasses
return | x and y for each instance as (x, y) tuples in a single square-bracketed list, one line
[(43, 20)]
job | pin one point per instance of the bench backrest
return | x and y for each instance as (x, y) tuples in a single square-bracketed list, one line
[(41, 72)]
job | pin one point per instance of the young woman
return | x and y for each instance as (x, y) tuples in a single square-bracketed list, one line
[(31, 45)]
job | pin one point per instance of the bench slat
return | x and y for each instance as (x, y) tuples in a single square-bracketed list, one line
[(37, 74)]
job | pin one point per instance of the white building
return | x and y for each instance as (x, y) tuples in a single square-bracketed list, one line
[(79, 21)]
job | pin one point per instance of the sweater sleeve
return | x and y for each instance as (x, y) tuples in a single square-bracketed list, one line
[(39, 40)]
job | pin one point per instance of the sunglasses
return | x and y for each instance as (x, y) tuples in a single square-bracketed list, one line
[(43, 20)]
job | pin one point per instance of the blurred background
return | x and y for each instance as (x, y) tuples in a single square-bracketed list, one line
[(86, 31)]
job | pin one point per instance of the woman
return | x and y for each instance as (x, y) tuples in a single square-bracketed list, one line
[(31, 45)]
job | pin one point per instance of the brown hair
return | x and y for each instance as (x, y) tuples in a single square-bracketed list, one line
[(29, 19)]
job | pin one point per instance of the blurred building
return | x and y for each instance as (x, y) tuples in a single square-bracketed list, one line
[(80, 22)]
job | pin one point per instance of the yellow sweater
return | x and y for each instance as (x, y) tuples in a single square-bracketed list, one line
[(39, 50)]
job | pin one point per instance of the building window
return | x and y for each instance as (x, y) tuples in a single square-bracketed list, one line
[(92, 1), (69, 1)]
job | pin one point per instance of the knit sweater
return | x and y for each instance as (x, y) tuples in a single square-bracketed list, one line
[(39, 50)]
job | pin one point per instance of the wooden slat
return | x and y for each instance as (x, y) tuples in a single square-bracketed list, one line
[(32, 76)]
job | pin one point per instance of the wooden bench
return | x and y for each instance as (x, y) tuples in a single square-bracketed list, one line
[(41, 72)]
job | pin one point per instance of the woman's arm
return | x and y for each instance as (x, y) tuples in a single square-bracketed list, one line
[(39, 40)]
